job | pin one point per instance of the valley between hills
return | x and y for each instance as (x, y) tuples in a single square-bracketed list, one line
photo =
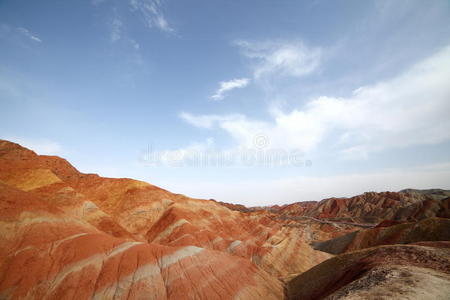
[(69, 235)]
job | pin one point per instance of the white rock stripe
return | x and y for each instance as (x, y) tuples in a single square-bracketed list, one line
[(95, 260), (55, 245), (58, 243), (117, 289), (233, 245), (121, 288), (168, 260), (170, 229)]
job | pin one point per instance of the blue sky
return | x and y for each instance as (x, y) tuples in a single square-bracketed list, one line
[(253, 102)]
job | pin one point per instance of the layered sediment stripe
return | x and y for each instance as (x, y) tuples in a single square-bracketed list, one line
[(96, 261), (56, 244), (31, 221), (147, 272), (124, 286), (168, 231), (72, 237), (228, 270), (180, 238), (224, 275), (32, 217), (31, 179), (278, 256), (22, 250), (269, 288), (178, 255), (233, 245)]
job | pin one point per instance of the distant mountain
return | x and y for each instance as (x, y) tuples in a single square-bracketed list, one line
[(369, 208), (430, 229)]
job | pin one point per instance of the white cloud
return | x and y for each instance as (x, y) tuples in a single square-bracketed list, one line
[(29, 35), (179, 157), (40, 146), (117, 34), (409, 109), (197, 154), (150, 11), (116, 29), (229, 85), (97, 2), (208, 121), (135, 44), (306, 188), (152, 14), (281, 58)]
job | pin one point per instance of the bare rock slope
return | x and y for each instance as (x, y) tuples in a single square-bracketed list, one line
[(384, 272)]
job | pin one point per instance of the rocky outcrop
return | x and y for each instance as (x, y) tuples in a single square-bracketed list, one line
[(384, 272)]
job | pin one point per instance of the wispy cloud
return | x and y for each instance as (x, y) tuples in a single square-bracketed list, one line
[(135, 44), (281, 58), (152, 14), (410, 109), (207, 121), (97, 2), (150, 11), (177, 157), (116, 29), (117, 33), (28, 34), (229, 85)]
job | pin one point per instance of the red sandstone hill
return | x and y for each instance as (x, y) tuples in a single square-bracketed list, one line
[(369, 208), (65, 234), (430, 229)]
